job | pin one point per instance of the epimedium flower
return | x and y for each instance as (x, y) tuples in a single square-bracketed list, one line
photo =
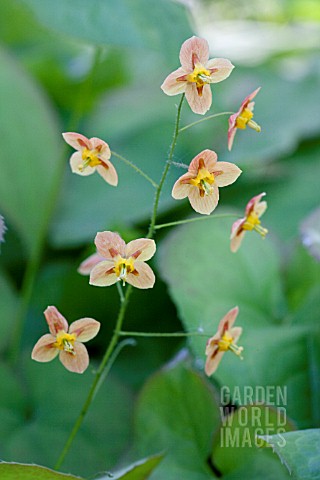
[(243, 118), (92, 155), (202, 181), (225, 339), (65, 341), (251, 221), (123, 262), (196, 74)]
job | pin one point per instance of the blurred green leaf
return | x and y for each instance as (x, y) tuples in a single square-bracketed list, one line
[(9, 300), (140, 470), (237, 441), (177, 413), (299, 451), (14, 471), (136, 25), (56, 398), (206, 280), (30, 142)]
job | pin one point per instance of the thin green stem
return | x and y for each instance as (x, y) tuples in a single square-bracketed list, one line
[(196, 219), (156, 334), (34, 262), (120, 291), (204, 120), (95, 384), (165, 171), (123, 307), (135, 168)]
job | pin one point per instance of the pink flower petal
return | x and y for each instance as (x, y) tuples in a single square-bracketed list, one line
[(248, 99), (108, 174), (236, 241), (194, 50), (85, 329), (103, 148), (222, 69), (76, 161), (205, 204), (172, 86), (87, 265), (76, 140), (260, 208), (143, 277), (232, 130), (44, 351), (55, 320), (77, 362), (236, 333), (212, 363), (180, 189), (99, 276), (210, 160), (198, 104), (230, 173), (142, 248), (228, 320), (109, 244), (253, 202)]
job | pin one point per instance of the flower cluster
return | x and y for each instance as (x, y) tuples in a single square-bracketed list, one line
[(115, 261)]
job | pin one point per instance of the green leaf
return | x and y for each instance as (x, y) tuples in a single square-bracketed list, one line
[(14, 471), (237, 441), (30, 148), (56, 397), (299, 451), (206, 280), (140, 470), (122, 23), (9, 302), (177, 412)]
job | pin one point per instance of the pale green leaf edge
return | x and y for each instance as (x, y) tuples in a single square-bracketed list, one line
[(8, 468)]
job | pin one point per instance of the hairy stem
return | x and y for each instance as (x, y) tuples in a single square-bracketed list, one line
[(195, 219), (204, 120), (135, 168)]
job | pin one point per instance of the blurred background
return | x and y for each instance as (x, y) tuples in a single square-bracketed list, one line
[(96, 67)]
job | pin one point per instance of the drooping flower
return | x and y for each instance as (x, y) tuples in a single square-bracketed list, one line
[(3, 229), (202, 181), (125, 263), (196, 74), (65, 341), (87, 265), (225, 339), (243, 118), (254, 209), (92, 155)]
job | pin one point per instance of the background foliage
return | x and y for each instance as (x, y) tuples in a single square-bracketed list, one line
[(96, 67)]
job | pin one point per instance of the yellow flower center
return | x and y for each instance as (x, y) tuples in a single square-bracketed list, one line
[(204, 181), (200, 76), (226, 343), (253, 223), (122, 267), (90, 159), (65, 341), (245, 119)]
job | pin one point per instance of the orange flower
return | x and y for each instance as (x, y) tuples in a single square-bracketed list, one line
[(225, 339), (254, 209), (65, 341), (92, 154), (196, 74), (243, 118), (202, 181), (121, 262)]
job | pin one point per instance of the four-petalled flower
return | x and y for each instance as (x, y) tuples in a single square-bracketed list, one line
[(225, 339), (243, 118), (65, 341), (196, 74), (125, 263), (93, 154), (254, 209), (202, 181)]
